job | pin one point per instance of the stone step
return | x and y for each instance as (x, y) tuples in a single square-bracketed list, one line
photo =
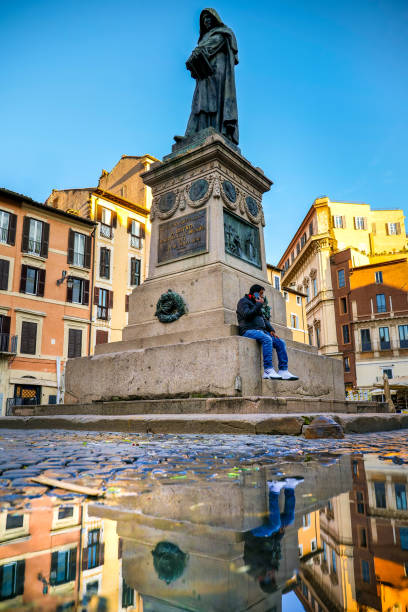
[(270, 424), (209, 405)]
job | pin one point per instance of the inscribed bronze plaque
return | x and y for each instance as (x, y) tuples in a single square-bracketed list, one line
[(183, 237), (242, 239)]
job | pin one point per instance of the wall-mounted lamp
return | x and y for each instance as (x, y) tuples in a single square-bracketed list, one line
[(64, 276), (45, 583)]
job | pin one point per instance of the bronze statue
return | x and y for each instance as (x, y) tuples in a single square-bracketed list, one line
[(212, 64)]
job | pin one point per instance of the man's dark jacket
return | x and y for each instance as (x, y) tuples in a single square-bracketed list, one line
[(249, 313)]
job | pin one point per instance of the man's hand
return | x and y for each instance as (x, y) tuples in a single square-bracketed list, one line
[(274, 335), (260, 300)]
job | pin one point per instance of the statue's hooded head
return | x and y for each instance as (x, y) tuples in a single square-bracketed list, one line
[(215, 21)]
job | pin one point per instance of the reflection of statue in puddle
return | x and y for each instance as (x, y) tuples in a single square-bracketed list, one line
[(262, 551), (217, 545)]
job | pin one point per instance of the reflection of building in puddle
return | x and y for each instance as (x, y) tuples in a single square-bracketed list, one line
[(56, 556), (185, 545), (364, 535)]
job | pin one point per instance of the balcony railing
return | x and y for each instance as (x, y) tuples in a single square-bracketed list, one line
[(403, 343), (8, 344), (135, 242), (102, 312), (34, 247), (106, 231), (385, 345), (366, 346)]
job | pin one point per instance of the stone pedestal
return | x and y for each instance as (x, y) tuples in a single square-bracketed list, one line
[(207, 246)]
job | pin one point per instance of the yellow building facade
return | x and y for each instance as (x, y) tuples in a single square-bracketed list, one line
[(327, 228)]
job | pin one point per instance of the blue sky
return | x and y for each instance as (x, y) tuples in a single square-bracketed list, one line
[(322, 95)]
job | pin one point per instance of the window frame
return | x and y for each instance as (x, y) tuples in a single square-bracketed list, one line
[(378, 276), (341, 274), (401, 503), (381, 303), (366, 346), (403, 331), (135, 275), (384, 338), (23, 338), (365, 571), (380, 494), (346, 337), (74, 331)]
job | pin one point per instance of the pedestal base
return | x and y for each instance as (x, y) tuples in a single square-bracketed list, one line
[(221, 367)]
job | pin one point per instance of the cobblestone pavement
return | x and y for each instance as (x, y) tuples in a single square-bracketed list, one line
[(107, 460)]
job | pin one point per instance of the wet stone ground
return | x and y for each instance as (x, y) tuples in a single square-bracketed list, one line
[(107, 460)]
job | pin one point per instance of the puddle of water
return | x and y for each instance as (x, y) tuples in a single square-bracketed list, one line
[(212, 524)]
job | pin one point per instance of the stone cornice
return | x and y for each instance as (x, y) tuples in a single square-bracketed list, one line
[(214, 150), (312, 246)]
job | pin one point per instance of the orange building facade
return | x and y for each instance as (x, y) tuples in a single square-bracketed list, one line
[(46, 273)]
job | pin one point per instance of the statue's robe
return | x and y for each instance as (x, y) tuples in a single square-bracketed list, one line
[(214, 101)]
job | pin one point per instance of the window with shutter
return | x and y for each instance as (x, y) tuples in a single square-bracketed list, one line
[(102, 304), (4, 226), (79, 249), (4, 274), (88, 248), (32, 280), (8, 224), (5, 323), (137, 233), (78, 293), (12, 579), (40, 282), (71, 242), (28, 338), (104, 263), (135, 271), (32, 236), (101, 336), (107, 219), (74, 343), (63, 566), (45, 237), (93, 548), (11, 239)]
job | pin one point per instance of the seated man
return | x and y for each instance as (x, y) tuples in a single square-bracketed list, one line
[(252, 324)]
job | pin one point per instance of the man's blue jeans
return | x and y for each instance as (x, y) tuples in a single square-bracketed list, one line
[(269, 343), (276, 519)]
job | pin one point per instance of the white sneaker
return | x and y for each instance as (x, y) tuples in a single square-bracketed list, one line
[(271, 373), (292, 481), (275, 486), (286, 375)]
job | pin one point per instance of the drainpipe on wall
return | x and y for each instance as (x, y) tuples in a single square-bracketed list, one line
[(91, 290), (58, 367)]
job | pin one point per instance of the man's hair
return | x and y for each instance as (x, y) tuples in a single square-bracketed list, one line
[(256, 289)]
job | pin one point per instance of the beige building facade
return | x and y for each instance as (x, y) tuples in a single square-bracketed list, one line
[(295, 303), (120, 205)]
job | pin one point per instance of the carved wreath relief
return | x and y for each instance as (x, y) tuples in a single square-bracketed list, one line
[(170, 307)]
